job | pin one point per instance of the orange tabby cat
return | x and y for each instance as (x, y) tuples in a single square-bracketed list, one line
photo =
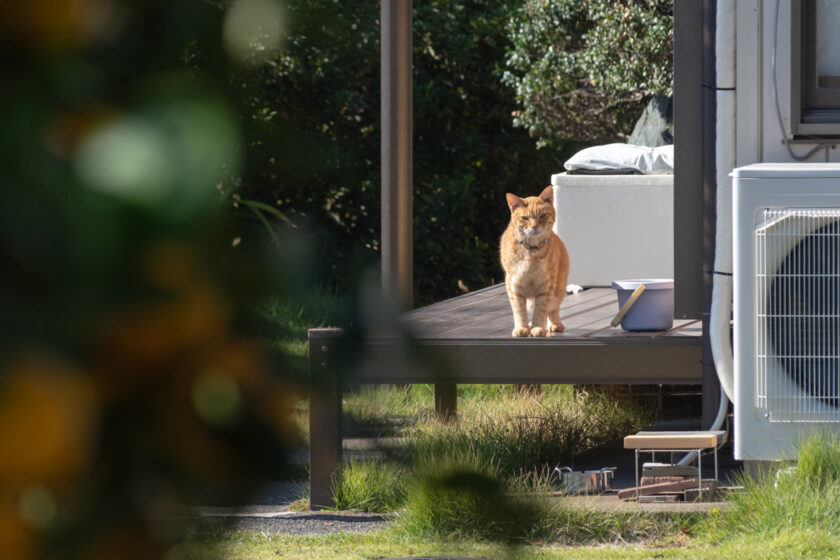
[(536, 264)]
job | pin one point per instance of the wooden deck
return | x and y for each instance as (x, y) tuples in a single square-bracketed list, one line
[(486, 314), (467, 340)]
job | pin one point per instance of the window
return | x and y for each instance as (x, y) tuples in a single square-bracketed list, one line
[(815, 64)]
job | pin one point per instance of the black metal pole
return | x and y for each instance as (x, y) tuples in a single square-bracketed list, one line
[(324, 415), (711, 383)]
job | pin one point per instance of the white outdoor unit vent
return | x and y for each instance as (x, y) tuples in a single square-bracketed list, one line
[(787, 305)]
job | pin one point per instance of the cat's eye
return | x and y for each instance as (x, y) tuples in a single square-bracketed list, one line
[(524, 218), (543, 217)]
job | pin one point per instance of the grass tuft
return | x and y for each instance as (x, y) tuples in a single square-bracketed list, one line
[(386, 410), (522, 434), (819, 461), (804, 498), (370, 485), (454, 498)]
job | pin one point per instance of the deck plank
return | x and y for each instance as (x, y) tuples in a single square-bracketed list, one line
[(467, 339), (490, 316), (493, 321), (466, 301), (494, 296), (486, 314)]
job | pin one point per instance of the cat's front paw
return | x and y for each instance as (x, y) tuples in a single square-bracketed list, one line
[(556, 327), (538, 331), (521, 331)]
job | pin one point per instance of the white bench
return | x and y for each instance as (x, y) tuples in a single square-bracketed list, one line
[(616, 227)]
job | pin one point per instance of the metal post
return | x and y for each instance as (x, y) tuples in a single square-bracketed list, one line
[(446, 400), (688, 158), (396, 69), (636, 457), (324, 415), (716, 465), (694, 174), (699, 473), (711, 383)]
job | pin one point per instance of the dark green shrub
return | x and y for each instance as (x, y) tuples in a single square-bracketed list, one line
[(314, 152), (582, 70)]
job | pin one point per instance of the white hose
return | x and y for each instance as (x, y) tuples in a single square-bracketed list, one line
[(721, 312)]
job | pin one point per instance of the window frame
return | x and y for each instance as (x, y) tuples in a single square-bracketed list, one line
[(815, 111)]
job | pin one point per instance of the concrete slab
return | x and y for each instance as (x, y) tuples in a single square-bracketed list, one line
[(610, 503)]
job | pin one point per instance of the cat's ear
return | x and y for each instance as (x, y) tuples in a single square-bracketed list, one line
[(514, 201), (547, 195)]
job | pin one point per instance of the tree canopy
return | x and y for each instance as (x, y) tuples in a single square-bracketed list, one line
[(582, 69), (313, 116), (503, 94)]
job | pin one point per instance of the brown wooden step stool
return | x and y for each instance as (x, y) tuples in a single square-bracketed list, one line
[(673, 442)]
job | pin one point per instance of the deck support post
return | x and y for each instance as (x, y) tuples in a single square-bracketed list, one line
[(694, 172), (324, 415), (711, 383), (396, 152), (446, 400)]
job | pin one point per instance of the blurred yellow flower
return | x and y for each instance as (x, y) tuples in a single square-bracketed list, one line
[(47, 420)]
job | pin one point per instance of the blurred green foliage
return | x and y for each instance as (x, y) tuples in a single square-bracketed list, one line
[(131, 382), (583, 70), (314, 151), (167, 166)]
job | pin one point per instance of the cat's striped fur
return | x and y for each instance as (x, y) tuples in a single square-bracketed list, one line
[(536, 264)]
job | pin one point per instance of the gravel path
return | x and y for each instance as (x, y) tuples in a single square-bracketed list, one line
[(291, 523), (270, 513)]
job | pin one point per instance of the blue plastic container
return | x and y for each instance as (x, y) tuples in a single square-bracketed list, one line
[(654, 310)]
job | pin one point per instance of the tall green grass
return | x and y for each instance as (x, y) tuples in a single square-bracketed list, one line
[(798, 500), (456, 499), (386, 410), (523, 433), (391, 410), (370, 485), (818, 465), (510, 438)]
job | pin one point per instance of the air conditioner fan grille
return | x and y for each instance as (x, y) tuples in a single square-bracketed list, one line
[(798, 319)]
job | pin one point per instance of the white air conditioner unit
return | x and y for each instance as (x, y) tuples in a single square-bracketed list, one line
[(787, 305)]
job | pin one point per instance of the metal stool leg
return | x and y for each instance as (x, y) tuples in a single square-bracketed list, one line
[(699, 473), (637, 475), (716, 466)]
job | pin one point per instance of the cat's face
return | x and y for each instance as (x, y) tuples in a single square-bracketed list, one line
[(532, 217)]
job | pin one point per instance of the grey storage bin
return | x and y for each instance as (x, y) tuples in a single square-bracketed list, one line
[(653, 311)]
